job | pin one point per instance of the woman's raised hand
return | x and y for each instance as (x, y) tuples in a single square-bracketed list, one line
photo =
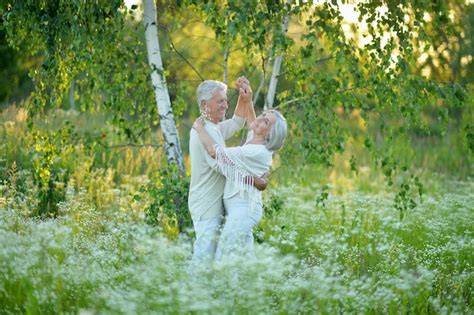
[(245, 95), (245, 91)]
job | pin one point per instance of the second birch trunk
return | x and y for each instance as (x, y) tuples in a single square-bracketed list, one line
[(276, 70)]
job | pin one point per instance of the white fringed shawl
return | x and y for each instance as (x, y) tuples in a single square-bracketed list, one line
[(240, 164)]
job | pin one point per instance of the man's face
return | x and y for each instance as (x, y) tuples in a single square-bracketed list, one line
[(216, 106)]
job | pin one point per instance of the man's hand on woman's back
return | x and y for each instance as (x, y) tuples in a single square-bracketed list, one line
[(261, 182)]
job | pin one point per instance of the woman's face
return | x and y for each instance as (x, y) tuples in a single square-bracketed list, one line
[(263, 123)]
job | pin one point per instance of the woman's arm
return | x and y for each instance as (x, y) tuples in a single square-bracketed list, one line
[(207, 141), (251, 116), (210, 145)]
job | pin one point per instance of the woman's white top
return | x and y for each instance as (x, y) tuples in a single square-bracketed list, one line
[(239, 165)]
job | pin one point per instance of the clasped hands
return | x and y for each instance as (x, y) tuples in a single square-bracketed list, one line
[(245, 91)]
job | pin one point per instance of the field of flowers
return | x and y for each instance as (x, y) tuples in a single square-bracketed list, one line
[(332, 244), (353, 255)]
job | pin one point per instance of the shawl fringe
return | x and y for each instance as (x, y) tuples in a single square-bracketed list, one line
[(238, 175)]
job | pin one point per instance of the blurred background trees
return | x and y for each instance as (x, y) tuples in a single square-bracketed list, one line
[(384, 84)]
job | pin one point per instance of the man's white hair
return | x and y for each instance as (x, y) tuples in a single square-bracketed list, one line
[(277, 134), (207, 89)]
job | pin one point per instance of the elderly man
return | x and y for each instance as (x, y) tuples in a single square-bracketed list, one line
[(207, 185)]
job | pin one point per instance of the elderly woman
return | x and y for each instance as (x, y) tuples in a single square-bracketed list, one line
[(242, 201)]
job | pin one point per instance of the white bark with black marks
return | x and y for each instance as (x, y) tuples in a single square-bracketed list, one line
[(262, 81), (276, 70), (163, 102)]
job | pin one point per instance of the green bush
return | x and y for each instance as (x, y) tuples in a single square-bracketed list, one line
[(169, 207)]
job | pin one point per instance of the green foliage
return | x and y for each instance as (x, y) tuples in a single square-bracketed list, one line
[(388, 95), (14, 66), (469, 130), (404, 199), (322, 196), (409, 80), (274, 204), (62, 152), (89, 45), (169, 194), (39, 152), (50, 179), (257, 23)]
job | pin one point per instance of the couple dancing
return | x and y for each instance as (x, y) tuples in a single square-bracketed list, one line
[(226, 182)]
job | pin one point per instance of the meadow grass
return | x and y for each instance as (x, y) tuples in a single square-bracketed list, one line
[(353, 255), (348, 252)]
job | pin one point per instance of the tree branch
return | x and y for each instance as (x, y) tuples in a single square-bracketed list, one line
[(307, 97), (324, 59), (226, 59), (241, 47), (173, 47)]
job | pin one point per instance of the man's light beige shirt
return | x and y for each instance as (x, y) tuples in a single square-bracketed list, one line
[(207, 185)]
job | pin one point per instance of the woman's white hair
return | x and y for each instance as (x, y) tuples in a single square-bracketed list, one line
[(207, 89), (277, 134)]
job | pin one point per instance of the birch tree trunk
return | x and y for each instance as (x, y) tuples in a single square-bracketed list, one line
[(227, 49), (276, 70), (262, 81), (163, 102)]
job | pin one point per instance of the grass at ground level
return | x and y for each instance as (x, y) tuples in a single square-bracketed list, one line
[(352, 255)]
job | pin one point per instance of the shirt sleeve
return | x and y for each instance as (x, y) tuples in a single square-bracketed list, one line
[(249, 135), (230, 126)]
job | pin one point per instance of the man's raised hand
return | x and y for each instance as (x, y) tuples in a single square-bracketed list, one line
[(245, 91)]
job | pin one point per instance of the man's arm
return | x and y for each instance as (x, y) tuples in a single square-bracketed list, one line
[(260, 183), (230, 126)]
